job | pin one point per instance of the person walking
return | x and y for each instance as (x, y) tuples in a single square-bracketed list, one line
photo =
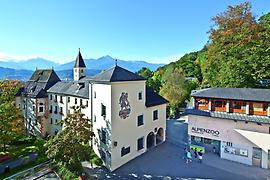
[(200, 156), (185, 153), (195, 153), (189, 157)]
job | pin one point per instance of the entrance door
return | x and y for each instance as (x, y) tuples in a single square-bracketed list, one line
[(268, 159), (257, 157), (150, 140)]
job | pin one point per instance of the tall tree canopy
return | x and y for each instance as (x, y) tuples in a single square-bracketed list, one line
[(175, 88), (67, 148), (11, 121), (237, 54)]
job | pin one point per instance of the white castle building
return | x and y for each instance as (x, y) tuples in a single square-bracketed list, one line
[(128, 118)]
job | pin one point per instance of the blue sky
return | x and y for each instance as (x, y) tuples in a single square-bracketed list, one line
[(150, 30)]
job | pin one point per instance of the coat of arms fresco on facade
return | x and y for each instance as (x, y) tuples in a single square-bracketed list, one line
[(124, 106)]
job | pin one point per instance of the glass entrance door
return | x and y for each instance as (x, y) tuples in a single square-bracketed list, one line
[(257, 157)]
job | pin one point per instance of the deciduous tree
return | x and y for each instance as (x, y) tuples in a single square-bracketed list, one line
[(67, 147)]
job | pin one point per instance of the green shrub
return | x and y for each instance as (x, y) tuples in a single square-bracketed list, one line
[(23, 140), (97, 161), (2, 153)]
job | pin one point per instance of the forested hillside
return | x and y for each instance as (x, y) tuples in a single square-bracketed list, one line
[(237, 54)]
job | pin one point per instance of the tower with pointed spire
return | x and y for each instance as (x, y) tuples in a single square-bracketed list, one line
[(79, 67)]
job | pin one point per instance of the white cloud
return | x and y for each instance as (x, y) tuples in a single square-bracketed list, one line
[(167, 59), (14, 57)]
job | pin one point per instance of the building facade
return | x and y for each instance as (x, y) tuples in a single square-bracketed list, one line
[(32, 99), (128, 118), (233, 122)]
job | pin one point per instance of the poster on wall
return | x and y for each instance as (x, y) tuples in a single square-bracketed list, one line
[(229, 150), (236, 151), (243, 152)]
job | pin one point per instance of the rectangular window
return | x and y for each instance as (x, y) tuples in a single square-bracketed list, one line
[(140, 96), (95, 94), (35, 121), (55, 98), (61, 110), (50, 108), (68, 99), (140, 120), (56, 121), (51, 120), (125, 151), (50, 96), (103, 136), (155, 115), (86, 103), (75, 100), (55, 110), (95, 118), (61, 99), (140, 144), (81, 102), (41, 109), (103, 110)]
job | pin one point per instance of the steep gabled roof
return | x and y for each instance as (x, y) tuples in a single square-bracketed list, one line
[(246, 94), (153, 99), (79, 61), (72, 88), (40, 82), (116, 74)]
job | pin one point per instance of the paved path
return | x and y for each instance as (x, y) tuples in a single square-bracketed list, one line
[(165, 162), (17, 162)]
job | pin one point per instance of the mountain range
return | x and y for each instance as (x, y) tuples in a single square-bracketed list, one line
[(22, 70)]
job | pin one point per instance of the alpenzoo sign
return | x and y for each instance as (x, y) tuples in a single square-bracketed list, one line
[(203, 130)]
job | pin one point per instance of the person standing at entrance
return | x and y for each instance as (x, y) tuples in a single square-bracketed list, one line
[(214, 149), (189, 157), (200, 154), (195, 153)]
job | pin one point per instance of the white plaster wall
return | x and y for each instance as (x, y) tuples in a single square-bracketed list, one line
[(125, 131), (225, 127), (66, 109), (228, 134), (103, 95), (237, 158)]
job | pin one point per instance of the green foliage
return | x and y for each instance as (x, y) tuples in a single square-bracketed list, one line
[(190, 65), (145, 72), (67, 148), (11, 122), (238, 50), (175, 88)]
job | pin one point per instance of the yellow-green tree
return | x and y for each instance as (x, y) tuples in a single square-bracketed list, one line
[(11, 121), (175, 88), (67, 148), (238, 49)]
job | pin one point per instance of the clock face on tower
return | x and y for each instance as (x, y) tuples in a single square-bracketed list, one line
[(124, 106)]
